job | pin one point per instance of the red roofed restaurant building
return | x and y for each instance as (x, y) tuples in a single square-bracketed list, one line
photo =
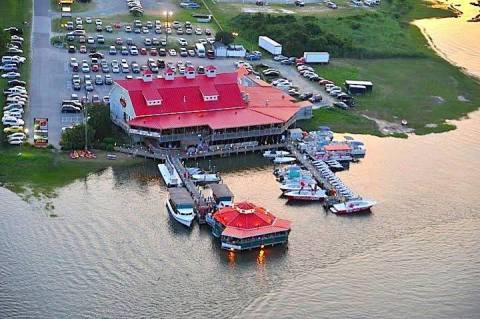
[(247, 226), (178, 111)]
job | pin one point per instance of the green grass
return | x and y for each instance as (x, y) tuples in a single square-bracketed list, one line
[(421, 90), (42, 170), (340, 121), (15, 13)]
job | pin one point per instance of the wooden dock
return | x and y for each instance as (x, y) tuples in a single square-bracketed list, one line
[(161, 154), (306, 160), (202, 205)]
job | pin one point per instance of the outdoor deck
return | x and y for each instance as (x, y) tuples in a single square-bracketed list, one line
[(161, 154)]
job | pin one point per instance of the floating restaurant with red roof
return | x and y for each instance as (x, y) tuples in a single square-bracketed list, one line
[(211, 108), (247, 226)]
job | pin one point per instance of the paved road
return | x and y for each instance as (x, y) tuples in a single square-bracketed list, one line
[(114, 7), (47, 74)]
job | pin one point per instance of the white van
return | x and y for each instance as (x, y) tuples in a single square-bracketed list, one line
[(200, 50)]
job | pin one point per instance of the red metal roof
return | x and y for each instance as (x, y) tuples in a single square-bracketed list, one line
[(216, 119), (184, 95), (246, 219), (183, 103), (151, 94)]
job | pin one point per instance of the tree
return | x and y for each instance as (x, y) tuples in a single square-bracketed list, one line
[(74, 138), (224, 37), (99, 120)]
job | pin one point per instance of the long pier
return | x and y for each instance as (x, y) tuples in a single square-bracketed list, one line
[(202, 205)]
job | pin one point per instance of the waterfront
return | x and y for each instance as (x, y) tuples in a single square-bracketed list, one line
[(456, 39), (113, 251)]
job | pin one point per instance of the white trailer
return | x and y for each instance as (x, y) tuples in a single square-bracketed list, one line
[(316, 57), (269, 45)]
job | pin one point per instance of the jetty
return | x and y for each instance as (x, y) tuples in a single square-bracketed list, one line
[(202, 205), (335, 195)]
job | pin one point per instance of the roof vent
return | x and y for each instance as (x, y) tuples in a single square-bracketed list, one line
[(211, 71), (169, 74), (147, 76), (190, 72)]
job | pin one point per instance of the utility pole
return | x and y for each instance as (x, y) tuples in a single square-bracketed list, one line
[(85, 119), (167, 25)]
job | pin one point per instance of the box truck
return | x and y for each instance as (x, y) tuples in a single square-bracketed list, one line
[(269, 45)]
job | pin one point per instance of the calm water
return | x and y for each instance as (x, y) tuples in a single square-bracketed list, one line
[(113, 251), (456, 39)]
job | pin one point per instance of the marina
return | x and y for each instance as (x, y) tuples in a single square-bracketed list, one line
[(203, 195)]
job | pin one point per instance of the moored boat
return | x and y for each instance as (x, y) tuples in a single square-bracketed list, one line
[(206, 178), (222, 195), (274, 154), (180, 205), (307, 194), (285, 159), (352, 206), (170, 174)]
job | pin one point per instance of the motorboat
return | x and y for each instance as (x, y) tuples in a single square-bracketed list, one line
[(194, 170), (296, 186), (170, 174), (180, 205), (352, 206), (205, 178), (275, 154), (307, 194), (284, 160)]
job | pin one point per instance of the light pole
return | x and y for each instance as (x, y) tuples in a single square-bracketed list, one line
[(85, 119), (167, 14)]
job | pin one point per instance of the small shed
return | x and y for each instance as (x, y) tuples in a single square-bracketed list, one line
[(230, 51), (367, 84)]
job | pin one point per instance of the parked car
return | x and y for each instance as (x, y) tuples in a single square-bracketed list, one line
[(172, 52), (341, 105)]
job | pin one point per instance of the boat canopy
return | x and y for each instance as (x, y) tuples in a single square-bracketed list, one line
[(337, 148), (180, 196), (221, 191)]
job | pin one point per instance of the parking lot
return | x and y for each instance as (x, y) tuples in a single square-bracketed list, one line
[(51, 66)]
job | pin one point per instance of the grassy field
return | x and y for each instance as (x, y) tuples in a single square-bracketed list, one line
[(424, 91), (340, 121), (42, 170)]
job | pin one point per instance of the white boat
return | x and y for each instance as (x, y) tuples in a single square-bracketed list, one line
[(194, 170), (306, 194), (274, 154), (170, 174), (296, 186), (352, 206), (180, 205), (283, 160), (206, 178)]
